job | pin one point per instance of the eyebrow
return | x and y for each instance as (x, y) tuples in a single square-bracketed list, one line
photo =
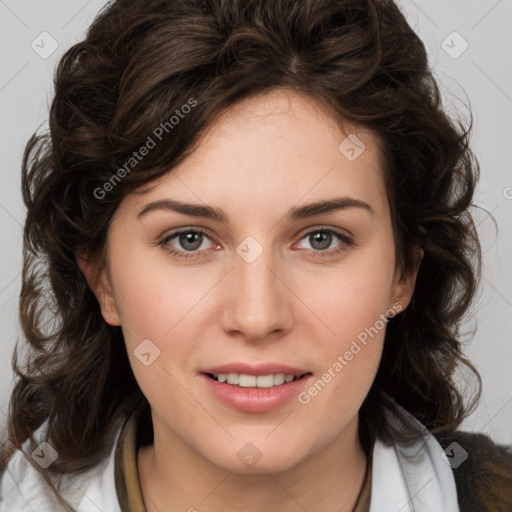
[(219, 215)]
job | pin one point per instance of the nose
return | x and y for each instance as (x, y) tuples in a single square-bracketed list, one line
[(256, 301)]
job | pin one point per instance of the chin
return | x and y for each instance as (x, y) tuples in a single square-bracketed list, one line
[(249, 459)]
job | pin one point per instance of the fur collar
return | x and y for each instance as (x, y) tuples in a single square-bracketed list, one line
[(484, 478)]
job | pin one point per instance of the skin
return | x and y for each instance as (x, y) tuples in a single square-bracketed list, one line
[(264, 156)]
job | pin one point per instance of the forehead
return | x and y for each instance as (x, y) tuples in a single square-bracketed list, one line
[(280, 144), (282, 120)]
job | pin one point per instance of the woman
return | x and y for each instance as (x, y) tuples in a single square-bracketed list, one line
[(299, 353)]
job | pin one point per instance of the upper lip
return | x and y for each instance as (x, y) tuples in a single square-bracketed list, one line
[(255, 369)]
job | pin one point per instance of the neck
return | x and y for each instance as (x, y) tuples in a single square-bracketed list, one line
[(171, 472)]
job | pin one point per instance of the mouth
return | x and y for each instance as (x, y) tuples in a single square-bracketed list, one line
[(244, 380), (255, 388)]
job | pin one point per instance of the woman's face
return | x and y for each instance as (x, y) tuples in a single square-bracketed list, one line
[(259, 284)]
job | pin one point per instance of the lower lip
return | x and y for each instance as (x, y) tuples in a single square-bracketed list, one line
[(255, 399)]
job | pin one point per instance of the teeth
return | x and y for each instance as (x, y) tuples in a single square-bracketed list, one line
[(279, 378), (233, 378), (264, 381), (251, 381), (246, 381)]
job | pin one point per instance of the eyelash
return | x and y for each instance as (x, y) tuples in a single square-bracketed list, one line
[(346, 242)]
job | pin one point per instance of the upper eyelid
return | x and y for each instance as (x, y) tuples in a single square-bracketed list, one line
[(343, 235), (179, 231), (340, 232)]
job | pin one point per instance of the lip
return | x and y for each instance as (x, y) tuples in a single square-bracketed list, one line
[(259, 369), (252, 399)]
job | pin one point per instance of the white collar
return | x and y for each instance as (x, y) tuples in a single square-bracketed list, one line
[(411, 476)]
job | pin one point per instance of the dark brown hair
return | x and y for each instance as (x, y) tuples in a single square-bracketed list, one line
[(141, 62)]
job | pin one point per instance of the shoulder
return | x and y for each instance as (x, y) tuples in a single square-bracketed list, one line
[(482, 470), (23, 486)]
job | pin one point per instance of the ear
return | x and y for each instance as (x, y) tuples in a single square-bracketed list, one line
[(100, 283), (403, 286)]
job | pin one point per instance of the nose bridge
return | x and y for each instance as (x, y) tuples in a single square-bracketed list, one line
[(255, 303)]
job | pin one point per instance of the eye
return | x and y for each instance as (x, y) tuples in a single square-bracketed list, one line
[(321, 239), (190, 242), (184, 241)]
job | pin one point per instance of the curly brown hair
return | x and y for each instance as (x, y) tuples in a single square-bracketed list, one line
[(139, 63)]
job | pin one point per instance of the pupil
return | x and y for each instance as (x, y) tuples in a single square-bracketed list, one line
[(323, 238), (192, 238)]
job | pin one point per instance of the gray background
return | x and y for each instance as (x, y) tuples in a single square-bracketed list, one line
[(479, 76)]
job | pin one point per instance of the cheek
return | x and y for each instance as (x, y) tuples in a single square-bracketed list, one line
[(166, 305), (352, 301), (153, 297), (349, 358), (353, 296), (155, 309)]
